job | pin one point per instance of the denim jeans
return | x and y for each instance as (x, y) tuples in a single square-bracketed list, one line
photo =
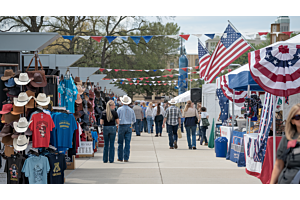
[(124, 134), (138, 124), (158, 127), (109, 134), (149, 123), (203, 134), (191, 130), (172, 133), (145, 125)]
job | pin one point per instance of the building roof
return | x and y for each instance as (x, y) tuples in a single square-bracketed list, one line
[(16, 41)]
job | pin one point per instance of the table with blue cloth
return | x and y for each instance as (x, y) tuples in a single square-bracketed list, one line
[(236, 148)]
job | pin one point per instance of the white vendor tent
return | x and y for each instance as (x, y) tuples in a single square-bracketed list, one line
[(184, 97), (211, 103)]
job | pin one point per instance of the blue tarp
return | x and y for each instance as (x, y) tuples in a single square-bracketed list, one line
[(241, 81)]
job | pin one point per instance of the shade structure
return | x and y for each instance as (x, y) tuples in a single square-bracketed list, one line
[(184, 97), (241, 81)]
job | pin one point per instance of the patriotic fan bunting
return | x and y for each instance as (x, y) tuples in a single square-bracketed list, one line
[(276, 69)]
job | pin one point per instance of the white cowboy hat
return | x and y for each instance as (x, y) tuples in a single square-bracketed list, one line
[(20, 143), (172, 101), (22, 125), (23, 79), (42, 100), (125, 100), (22, 99)]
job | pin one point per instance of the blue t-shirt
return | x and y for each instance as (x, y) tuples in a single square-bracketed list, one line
[(95, 138), (64, 129), (36, 169), (68, 91)]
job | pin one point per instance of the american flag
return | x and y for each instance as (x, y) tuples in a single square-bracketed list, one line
[(264, 128), (204, 56), (229, 48)]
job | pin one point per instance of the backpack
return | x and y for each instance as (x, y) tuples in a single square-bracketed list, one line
[(290, 175)]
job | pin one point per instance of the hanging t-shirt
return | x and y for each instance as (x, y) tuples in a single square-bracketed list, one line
[(58, 165), (41, 126), (68, 91), (95, 138), (65, 127), (36, 169), (53, 138), (13, 168)]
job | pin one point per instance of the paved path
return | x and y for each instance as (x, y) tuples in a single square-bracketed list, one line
[(152, 162)]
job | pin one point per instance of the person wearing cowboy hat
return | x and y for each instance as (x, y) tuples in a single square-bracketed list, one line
[(173, 118), (126, 118)]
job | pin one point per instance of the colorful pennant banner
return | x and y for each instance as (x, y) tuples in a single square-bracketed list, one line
[(147, 70)]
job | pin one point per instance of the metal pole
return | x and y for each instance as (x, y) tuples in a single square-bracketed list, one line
[(232, 121), (274, 130), (247, 121)]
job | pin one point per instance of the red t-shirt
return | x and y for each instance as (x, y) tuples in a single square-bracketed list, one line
[(41, 126)]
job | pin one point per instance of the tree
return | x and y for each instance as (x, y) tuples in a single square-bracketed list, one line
[(21, 23)]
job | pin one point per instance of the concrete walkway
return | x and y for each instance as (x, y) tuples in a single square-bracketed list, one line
[(152, 162)]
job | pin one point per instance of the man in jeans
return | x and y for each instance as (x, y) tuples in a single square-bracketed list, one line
[(173, 118), (126, 118), (138, 111)]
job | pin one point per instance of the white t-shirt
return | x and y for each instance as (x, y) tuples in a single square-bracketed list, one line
[(203, 115)]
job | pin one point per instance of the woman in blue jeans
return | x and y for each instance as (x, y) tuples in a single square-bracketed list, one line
[(203, 115), (158, 113), (191, 116), (149, 113), (109, 120)]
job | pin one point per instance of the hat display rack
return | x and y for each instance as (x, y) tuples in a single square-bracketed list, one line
[(18, 101)]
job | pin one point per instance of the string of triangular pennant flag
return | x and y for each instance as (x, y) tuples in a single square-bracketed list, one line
[(147, 38), (147, 70)]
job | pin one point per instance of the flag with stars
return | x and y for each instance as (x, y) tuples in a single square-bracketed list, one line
[(276, 69), (224, 105), (231, 46), (264, 128), (204, 56)]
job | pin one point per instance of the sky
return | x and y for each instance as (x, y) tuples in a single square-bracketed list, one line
[(218, 24)]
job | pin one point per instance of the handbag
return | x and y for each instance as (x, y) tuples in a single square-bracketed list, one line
[(205, 122), (196, 118), (36, 67), (179, 133)]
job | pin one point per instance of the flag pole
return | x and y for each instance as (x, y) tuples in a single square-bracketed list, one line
[(241, 35)]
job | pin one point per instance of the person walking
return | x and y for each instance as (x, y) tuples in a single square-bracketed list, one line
[(109, 119), (144, 108), (191, 120), (149, 115), (199, 105), (127, 118), (139, 118), (287, 165), (172, 117), (158, 113), (203, 126)]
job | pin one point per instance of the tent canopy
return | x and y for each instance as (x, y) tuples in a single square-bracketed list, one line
[(241, 81), (184, 97)]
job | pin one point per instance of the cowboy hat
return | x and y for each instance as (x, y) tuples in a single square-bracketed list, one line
[(42, 100), (22, 99), (80, 90), (30, 104), (13, 92), (20, 143), (6, 130), (17, 110), (9, 118), (125, 100), (22, 125), (79, 99), (23, 79), (10, 83), (172, 101), (6, 108), (39, 80), (9, 73), (77, 80)]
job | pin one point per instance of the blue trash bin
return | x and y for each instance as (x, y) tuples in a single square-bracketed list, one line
[(221, 147)]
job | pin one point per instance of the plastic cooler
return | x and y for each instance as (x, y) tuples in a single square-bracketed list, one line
[(221, 147)]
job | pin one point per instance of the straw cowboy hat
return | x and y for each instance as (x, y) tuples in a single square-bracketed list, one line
[(20, 143), (42, 100), (172, 101), (9, 73), (22, 99), (22, 125), (23, 79), (125, 100)]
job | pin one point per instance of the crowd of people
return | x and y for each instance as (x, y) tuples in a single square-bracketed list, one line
[(141, 117)]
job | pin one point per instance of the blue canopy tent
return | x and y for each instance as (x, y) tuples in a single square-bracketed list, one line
[(242, 80)]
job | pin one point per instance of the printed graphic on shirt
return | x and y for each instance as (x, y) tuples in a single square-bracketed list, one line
[(56, 170), (13, 172), (64, 124), (42, 127), (38, 174)]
